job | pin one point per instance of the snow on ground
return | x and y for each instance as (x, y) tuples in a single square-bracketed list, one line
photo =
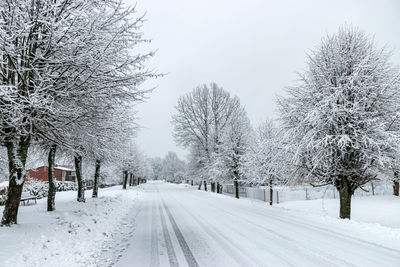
[(73, 235), (380, 210), (185, 226), (160, 224)]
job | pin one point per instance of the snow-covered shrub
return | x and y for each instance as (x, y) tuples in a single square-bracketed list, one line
[(40, 189), (66, 186)]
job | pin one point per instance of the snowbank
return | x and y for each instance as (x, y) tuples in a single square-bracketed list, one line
[(70, 236), (382, 210)]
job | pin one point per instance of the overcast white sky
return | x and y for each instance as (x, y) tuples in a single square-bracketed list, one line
[(251, 48)]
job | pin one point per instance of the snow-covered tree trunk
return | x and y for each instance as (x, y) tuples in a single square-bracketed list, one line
[(212, 186), (396, 188), (271, 194), (199, 187), (396, 183), (81, 185), (96, 179), (130, 179), (345, 194), (236, 185), (51, 204), (17, 152), (125, 180)]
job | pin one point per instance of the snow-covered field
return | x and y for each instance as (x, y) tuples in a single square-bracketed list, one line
[(379, 210), (73, 235), (160, 224)]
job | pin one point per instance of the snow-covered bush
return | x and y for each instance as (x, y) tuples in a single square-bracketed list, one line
[(41, 189)]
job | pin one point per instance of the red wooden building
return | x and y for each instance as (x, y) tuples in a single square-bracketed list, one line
[(61, 172)]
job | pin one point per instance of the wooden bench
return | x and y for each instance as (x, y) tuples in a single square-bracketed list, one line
[(25, 197)]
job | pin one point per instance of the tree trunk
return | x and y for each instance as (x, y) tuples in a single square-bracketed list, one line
[(271, 195), (131, 179), (81, 185), (205, 185), (396, 188), (396, 183), (191, 182), (345, 194), (51, 204), (218, 188), (199, 185), (96, 179), (125, 180), (236, 184), (213, 187), (373, 188), (17, 153)]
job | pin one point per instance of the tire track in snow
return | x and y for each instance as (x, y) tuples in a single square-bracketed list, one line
[(313, 252), (173, 262), (182, 242), (154, 254), (291, 221), (225, 242)]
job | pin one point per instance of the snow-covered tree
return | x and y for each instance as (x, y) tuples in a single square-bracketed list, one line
[(334, 119), (28, 30), (228, 157), (134, 165), (173, 168), (264, 162), (58, 59), (156, 166), (200, 119)]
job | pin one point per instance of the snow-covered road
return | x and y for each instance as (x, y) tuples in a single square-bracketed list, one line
[(180, 226)]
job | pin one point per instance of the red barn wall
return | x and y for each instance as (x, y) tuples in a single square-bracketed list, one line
[(58, 174), (38, 174)]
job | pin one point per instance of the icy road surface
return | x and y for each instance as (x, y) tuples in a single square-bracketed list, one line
[(180, 226)]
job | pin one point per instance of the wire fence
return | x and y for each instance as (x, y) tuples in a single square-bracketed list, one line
[(293, 193)]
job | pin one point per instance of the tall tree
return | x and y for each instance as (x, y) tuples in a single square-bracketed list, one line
[(200, 118), (59, 60), (335, 118), (229, 157)]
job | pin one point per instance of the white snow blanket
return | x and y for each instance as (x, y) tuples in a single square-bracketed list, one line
[(73, 235)]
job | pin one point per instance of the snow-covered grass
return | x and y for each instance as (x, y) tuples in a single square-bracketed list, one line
[(70, 236), (383, 210)]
